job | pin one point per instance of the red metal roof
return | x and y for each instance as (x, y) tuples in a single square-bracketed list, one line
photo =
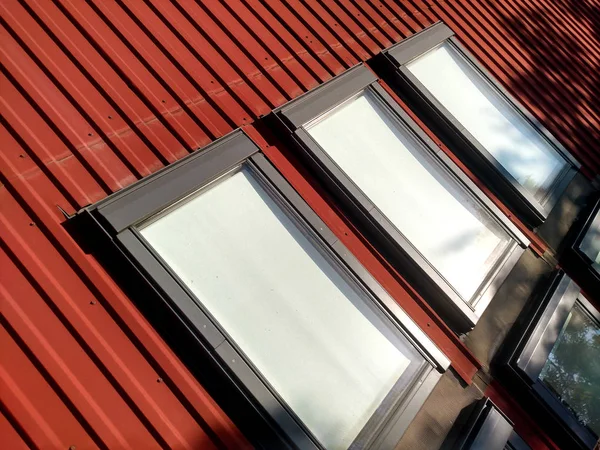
[(96, 95)]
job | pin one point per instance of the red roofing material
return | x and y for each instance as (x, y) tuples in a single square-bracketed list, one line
[(96, 95)]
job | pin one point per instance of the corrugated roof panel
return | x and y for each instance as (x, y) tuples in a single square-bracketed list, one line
[(95, 95)]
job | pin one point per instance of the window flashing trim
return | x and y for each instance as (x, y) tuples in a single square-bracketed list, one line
[(461, 314), (168, 185), (420, 43), (113, 214), (393, 67), (327, 96)]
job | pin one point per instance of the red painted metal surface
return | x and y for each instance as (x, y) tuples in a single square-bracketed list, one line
[(97, 94)]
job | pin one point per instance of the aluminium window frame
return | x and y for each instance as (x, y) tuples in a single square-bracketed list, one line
[(392, 66), (538, 334), (116, 218), (288, 122), (482, 425)]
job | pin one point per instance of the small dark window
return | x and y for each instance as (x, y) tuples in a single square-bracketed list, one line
[(428, 218), (311, 338), (481, 121)]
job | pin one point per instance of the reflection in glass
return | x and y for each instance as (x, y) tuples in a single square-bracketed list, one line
[(572, 371), (590, 244), (440, 219), (311, 332), (489, 118)]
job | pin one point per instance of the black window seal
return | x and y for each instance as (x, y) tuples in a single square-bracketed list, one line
[(288, 125), (115, 219), (391, 66)]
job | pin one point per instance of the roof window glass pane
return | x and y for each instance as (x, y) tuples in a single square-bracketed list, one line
[(310, 331), (572, 371), (515, 144), (428, 206)]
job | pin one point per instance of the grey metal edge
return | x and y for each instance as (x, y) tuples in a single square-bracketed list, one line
[(587, 224), (328, 95), (292, 430), (174, 182), (400, 421), (563, 294), (419, 43), (494, 432), (413, 332), (275, 180), (171, 288), (496, 278)]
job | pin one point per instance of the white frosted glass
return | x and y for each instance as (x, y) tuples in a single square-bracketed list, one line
[(436, 216), (305, 328), (498, 127)]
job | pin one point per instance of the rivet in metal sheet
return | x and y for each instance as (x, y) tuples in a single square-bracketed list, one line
[(32, 224), (159, 380), (93, 302), (110, 117), (163, 101), (21, 155), (428, 324), (72, 447), (90, 134), (233, 360)]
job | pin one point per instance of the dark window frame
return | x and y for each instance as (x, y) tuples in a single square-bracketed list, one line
[(288, 121), (482, 425), (578, 262), (391, 65), (116, 218), (537, 334)]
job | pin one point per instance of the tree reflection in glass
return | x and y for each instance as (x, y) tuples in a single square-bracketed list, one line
[(572, 371)]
